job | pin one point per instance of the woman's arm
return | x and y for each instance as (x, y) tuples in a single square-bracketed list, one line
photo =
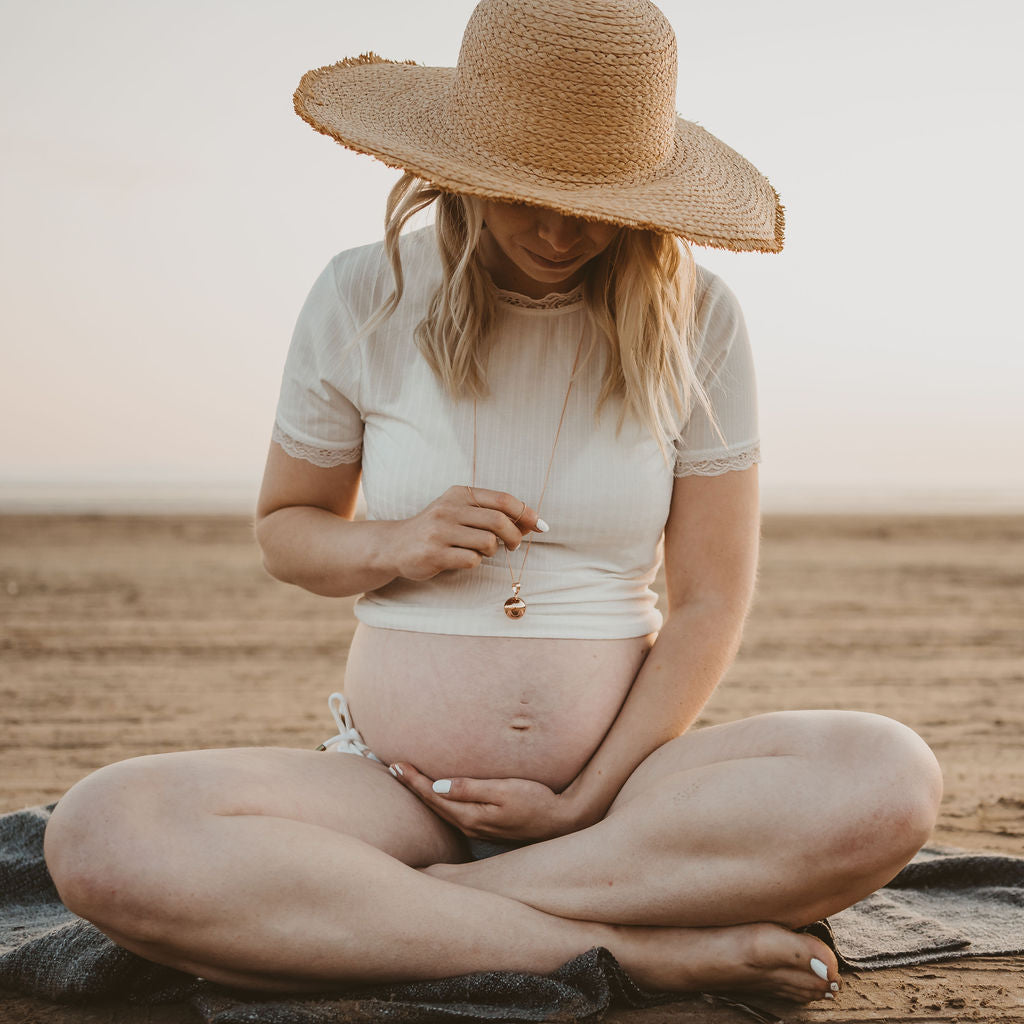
[(711, 544), (306, 530)]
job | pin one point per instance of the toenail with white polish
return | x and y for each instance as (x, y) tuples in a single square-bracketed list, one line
[(819, 968), (828, 995), (834, 986)]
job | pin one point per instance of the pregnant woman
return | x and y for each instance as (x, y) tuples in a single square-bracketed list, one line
[(543, 398)]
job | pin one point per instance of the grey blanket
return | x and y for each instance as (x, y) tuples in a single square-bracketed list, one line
[(941, 906)]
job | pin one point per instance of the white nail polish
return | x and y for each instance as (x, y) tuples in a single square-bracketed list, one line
[(391, 768), (542, 526), (834, 986), (819, 968), (442, 786), (828, 995)]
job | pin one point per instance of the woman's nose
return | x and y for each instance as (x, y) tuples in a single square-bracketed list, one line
[(558, 231)]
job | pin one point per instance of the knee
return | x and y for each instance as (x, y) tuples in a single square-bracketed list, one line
[(895, 787), (102, 847), (908, 776)]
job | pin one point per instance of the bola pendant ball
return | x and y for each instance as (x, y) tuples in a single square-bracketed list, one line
[(515, 606)]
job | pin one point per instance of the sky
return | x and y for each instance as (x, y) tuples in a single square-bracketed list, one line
[(164, 213)]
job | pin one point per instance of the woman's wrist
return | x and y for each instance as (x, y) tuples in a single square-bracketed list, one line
[(325, 553), (583, 805), (382, 549)]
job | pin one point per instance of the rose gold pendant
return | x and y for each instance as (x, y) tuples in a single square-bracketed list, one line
[(515, 607)]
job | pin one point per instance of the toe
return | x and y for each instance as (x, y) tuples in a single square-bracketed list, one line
[(805, 984), (820, 961)]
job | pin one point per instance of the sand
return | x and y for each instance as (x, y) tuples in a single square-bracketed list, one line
[(126, 635)]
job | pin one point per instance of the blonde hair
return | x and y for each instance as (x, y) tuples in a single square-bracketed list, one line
[(640, 295)]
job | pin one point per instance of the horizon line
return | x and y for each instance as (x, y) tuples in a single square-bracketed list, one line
[(205, 497)]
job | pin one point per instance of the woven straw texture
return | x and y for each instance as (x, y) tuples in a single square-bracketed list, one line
[(565, 104)]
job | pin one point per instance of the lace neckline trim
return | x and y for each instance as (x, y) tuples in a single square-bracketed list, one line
[(555, 300)]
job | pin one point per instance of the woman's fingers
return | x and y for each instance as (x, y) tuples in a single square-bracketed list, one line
[(465, 813), (524, 518), (443, 791), (476, 791), (457, 529), (490, 808), (494, 525)]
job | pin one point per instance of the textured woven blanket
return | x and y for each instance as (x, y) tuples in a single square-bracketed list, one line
[(941, 906)]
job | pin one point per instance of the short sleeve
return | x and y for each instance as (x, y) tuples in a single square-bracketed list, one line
[(318, 411), (725, 367)]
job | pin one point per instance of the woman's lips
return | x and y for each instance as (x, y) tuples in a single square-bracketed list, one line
[(554, 264)]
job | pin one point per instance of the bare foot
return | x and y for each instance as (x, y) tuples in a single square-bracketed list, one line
[(764, 958)]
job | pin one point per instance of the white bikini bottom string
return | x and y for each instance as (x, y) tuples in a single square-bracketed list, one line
[(348, 740)]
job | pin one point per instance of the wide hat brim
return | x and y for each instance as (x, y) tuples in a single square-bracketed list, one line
[(705, 192)]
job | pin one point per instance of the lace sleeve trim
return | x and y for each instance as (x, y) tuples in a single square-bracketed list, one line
[(325, 458), (742, 459)]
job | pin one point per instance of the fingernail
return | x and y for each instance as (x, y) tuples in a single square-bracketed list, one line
[(442, 786), (542, 526), (395, 770), (828, 995), (834, 986), (819, 968)]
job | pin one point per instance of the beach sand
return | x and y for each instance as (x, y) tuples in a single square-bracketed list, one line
[(128, 635)]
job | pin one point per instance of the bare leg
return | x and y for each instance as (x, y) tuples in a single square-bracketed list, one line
[(237, 866), (785, 817)]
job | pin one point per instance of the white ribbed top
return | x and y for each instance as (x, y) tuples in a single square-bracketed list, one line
[(608, 497)]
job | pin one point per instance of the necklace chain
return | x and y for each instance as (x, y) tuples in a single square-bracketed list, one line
[(515, 607)]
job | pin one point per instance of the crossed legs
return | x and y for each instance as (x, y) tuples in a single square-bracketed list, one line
[(785, 817), (286, 869)]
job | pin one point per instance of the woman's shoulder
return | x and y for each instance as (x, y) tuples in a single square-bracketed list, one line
[(711, 291), (718, 313), (364, 278)]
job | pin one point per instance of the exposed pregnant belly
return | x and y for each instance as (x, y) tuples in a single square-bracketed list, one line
[(488, 707)]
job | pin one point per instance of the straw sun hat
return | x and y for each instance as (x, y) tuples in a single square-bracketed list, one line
[(564, 104)]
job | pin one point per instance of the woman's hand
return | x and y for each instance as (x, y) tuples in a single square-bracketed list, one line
[(492, 808), (458, 529)]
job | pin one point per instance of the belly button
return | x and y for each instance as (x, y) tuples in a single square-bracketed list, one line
[(521, 724)]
